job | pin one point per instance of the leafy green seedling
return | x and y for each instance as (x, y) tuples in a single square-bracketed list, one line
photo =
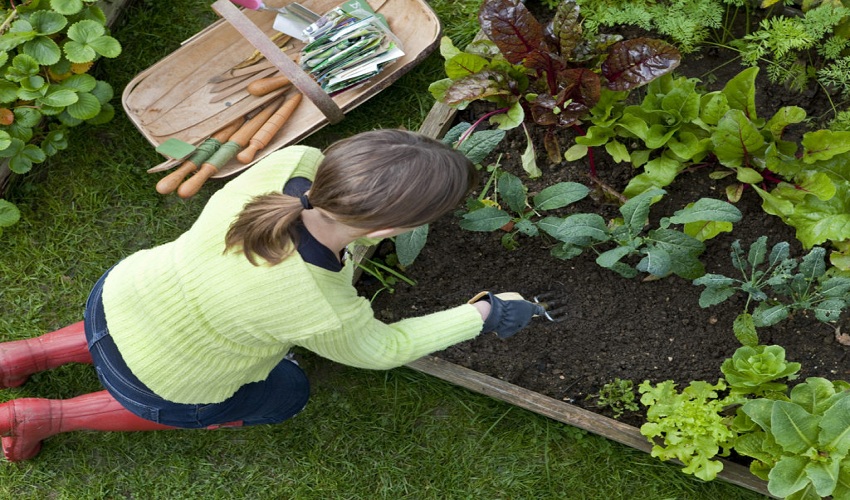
[(779, 284), (618, 395)]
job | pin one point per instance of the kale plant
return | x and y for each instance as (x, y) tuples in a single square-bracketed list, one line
[(659, 252), (779, 285)]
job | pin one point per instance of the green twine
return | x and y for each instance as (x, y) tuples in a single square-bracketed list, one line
[(223, 154), (204, 151)]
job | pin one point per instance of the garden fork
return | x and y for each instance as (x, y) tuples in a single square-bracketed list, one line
[(555, 307)]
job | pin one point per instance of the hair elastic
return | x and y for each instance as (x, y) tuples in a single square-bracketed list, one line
[(305, 202)]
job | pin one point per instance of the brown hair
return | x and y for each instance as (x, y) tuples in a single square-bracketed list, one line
[(373, 180)]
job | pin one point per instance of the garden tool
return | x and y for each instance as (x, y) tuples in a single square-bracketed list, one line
[(264, 135), (170, 182), (291, 19), (21, 358), (252, 63), (555, 308), (228, 150), (230, 88)]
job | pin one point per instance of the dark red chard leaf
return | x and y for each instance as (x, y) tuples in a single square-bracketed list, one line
[(546, 64), (632, 63), (512, 28), (566, 28), (580, 92), (482, 85)]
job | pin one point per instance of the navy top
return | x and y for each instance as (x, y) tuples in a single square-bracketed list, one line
[(309, 247)]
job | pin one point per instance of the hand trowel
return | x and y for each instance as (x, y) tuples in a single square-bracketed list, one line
[(291, 19)]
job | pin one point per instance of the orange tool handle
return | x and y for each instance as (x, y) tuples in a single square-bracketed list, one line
[(170, 182), (265, 85), (269, 129), (192, 185)]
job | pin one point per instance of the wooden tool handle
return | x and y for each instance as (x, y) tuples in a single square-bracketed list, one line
[(269, 129), (241, 137), (246, 131), (265, 85), (193, 184), (170, 182)]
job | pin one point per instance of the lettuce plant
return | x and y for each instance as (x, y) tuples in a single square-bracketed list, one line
[(800, 446), (689, 426), (699, 424), (550, 75), (779, 284), (755, 371)]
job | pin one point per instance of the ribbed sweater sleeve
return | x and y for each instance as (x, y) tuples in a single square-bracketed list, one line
[(365, 342)]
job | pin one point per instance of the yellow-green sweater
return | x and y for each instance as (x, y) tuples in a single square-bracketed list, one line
[(195, 324)]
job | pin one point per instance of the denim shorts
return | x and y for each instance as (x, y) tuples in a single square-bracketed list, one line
[(281, 396)]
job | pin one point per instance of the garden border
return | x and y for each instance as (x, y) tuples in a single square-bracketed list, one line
[(436, 123)]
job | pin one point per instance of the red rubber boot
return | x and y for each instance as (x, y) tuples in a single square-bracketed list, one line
[(21, 358), (25, 422)]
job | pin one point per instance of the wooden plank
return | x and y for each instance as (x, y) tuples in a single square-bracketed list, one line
[(565, 413)]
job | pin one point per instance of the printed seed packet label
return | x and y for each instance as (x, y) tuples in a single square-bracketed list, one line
[(348, 45)]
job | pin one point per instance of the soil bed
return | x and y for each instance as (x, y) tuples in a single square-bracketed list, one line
[(617, 327)]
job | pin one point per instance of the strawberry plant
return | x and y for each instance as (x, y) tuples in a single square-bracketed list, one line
[(46, 51), (548, 75)]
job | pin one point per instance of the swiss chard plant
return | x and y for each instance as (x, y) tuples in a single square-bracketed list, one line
[(46, 51), (776, 286), (678, 127), (549, 75)]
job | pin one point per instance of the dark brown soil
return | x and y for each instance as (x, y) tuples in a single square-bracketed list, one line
[(617, 327)]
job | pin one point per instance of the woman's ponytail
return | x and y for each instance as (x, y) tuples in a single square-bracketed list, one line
[(266, 228)]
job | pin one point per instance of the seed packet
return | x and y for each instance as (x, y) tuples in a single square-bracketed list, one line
[(347, 46)]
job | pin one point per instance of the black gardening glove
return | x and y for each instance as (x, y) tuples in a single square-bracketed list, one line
[(509, 313)]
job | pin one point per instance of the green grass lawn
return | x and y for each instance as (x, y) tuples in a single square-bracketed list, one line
[(393, 435)]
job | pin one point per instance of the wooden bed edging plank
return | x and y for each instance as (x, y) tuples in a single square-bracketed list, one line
[(436, 124), (566, 413)]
